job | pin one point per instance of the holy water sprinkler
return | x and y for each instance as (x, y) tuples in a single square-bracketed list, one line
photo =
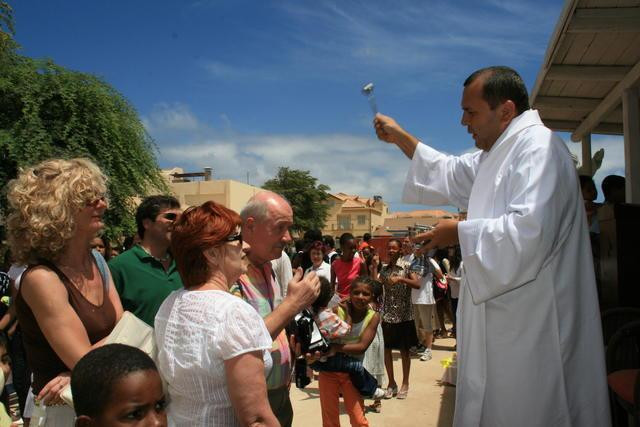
[(367, 90)]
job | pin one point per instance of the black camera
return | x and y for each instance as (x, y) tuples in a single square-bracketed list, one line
[(311, 340), (308, 334)]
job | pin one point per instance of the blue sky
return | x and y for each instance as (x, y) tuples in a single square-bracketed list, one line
[(248, 86)]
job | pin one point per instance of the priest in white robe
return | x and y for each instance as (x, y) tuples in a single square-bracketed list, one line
[(530, 349)]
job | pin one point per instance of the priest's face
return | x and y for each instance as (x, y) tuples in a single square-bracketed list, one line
[(482, 122)]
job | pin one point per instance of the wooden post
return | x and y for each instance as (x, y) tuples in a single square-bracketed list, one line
[(631, 118), (586, 155)]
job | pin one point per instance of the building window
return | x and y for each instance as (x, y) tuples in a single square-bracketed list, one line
[(344, 222), (362, 219)]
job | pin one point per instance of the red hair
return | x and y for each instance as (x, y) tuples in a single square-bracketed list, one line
[(200, 228), (317, 245)]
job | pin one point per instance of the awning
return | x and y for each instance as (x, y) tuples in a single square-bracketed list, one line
[(589, 79)]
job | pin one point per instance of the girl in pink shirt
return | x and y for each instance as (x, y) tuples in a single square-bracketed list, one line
[(347, 267)]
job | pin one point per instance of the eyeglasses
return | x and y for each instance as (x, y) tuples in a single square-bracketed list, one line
[(233, 238), (171, 216), (97, 200)]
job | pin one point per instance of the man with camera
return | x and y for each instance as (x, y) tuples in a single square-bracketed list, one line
[(266, 220)]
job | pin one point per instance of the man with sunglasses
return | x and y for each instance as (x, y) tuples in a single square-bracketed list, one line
[(146, 274)]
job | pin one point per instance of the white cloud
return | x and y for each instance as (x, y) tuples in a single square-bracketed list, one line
[(347, 163), (325, 39), (613, 161), (222, 71), (170, 117)]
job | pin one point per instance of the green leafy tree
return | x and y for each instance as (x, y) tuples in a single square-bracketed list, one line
[(47, 111), (6, 29), (305, 195)]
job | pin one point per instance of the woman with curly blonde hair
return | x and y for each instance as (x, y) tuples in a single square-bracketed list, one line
[(66, 304)]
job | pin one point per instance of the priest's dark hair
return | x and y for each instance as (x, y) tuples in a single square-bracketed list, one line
[(502, 84), (94, 375)]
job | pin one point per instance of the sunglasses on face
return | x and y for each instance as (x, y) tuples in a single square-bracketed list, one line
[(97, 200), (234, 237), (171, 216)]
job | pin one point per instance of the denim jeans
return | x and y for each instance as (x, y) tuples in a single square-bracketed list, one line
[(361, 379)]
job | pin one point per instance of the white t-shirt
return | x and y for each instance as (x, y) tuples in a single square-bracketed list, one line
[(424, 295), (196, 331), (323, 271), (282, 269)]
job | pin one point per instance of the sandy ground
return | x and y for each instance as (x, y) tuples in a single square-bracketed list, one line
[(429, 403)]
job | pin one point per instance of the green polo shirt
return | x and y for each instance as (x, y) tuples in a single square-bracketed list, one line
[(142, 282)]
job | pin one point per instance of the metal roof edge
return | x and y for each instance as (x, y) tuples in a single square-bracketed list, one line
[(554, 42)]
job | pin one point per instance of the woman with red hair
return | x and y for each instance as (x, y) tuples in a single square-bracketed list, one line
[(213, 348)]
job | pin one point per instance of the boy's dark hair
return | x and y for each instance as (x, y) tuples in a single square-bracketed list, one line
[(610, 184), (151, 207), (326, 293), (395, 239), (502, 84), (312, 235), (345, 238), (366, 237), (95, 373), (328, 241)]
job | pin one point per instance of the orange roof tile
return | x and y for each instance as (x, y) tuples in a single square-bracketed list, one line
[(426, 213)]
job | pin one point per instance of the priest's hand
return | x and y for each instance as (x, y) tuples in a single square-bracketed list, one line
[(388, 130), (444, 234)]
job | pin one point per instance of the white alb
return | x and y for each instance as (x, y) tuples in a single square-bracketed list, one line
[(529, 335)]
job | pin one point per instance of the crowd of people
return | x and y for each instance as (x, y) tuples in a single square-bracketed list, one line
[(224, 295), (208, 280)]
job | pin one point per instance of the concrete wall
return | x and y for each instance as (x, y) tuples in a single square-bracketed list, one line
[(232, 194)]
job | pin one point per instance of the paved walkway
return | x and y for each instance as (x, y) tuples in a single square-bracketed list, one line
[(429, 403)]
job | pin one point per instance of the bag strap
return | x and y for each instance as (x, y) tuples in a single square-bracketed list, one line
[(102, 266)]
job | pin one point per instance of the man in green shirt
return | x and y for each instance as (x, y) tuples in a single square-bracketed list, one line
[(146, 274)]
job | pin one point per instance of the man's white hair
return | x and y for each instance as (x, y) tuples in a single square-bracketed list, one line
[(257, 206)]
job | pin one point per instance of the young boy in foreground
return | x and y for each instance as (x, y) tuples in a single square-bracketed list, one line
[(117, 385)]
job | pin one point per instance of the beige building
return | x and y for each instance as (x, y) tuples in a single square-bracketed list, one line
[(193, 189), (354, 214), (409, 220)]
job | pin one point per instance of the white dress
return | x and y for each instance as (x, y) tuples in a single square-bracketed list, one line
[(196, 331), (530, 347), (374, 357)]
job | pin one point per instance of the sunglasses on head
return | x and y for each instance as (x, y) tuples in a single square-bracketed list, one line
[(171, 216), (234, 237)]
